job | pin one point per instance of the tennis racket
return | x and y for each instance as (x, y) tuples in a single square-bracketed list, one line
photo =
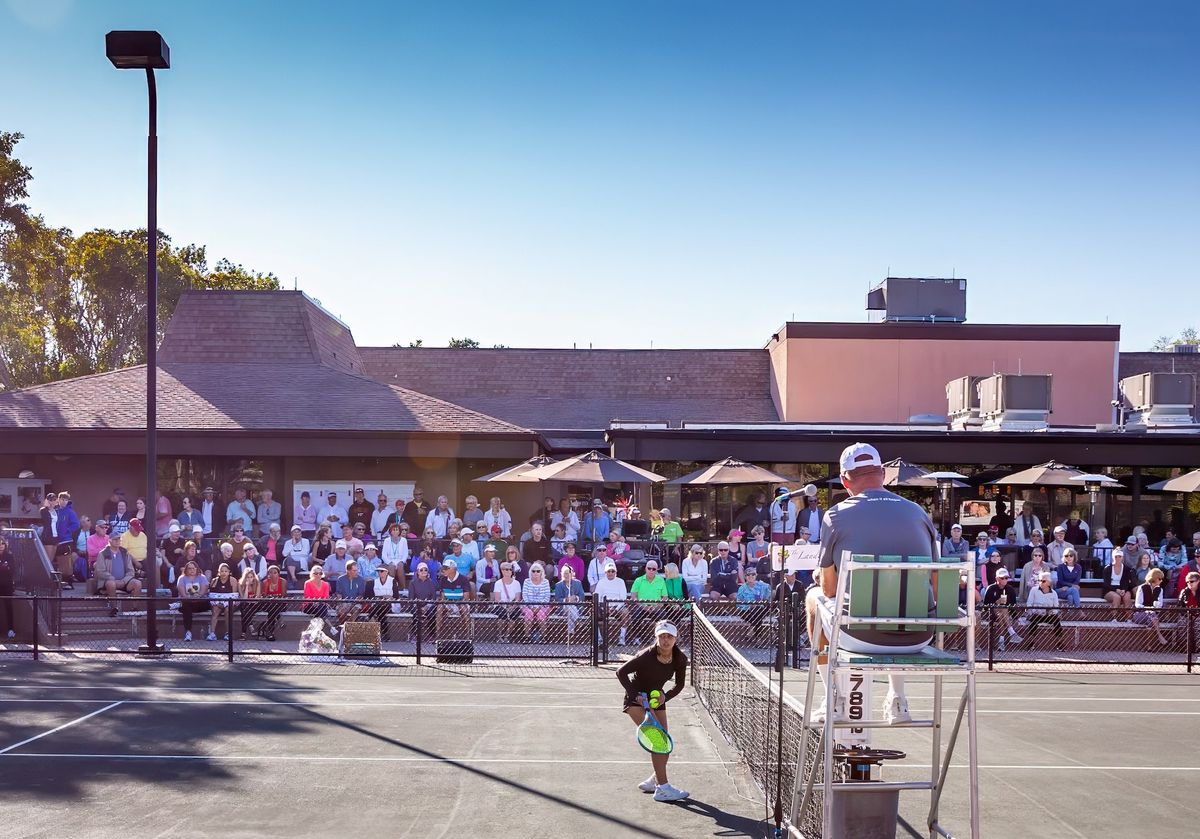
[(651, 736)]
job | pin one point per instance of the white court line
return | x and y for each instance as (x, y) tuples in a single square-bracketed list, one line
[(60, 728), (271, 703), (1044, 697), (555, 761), (181, 689)]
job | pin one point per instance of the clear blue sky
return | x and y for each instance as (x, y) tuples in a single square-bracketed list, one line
[(616, 173)]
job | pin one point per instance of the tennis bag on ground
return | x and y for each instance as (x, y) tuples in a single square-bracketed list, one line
[(457, 651)]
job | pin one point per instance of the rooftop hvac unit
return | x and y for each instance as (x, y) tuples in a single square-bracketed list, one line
[(1014, 403), (962, 401), (920, 300), (1158, 400), (1185, 349)]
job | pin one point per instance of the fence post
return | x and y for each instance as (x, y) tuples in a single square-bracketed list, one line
[(418, 610), (991, 636), (595, 630), (35, 627), (229, 628), (604, 628), (1190, 626), (692, 649)]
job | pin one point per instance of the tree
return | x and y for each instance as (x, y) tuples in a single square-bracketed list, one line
[(463, 344), (1188, 336), (14, 186)]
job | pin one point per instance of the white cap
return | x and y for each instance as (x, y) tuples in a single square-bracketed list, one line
[(610, 566), (489, 547), (296, 527), (340, 543), (858, 455), (665, 628), (1045, 576), (956, 526), (1058, 528), (370, 546), (173, 528)]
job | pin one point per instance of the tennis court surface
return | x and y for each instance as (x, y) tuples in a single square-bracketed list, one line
[(138, 749)]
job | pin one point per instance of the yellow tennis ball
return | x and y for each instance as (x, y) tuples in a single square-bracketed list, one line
[(655, 697)]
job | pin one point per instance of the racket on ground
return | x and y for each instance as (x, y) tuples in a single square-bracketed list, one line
[(651, 736)]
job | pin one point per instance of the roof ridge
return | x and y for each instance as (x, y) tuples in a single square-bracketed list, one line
[(84, 377)]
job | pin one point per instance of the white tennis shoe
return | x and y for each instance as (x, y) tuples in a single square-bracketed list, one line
[(666, 792), (649, 785)]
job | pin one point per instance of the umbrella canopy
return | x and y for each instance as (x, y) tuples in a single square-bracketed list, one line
[(594, 468), (728, 472), (1051, 474), (1184, 483), (901, 473), (516, 474)]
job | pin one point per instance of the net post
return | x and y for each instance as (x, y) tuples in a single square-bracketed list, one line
[(417, 612), (34, 627)]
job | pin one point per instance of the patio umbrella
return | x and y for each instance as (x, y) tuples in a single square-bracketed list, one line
[(517, 474), (901, 473), (729, 472), (1184, 483), (1051, 474), (594, 468)]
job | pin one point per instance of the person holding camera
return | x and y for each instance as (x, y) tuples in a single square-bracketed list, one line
[(192, 587), (1002, 595)]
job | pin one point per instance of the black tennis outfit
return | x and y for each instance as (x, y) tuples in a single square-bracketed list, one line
[(645, 673)]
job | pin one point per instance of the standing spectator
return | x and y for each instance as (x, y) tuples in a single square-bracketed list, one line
[(114, 572), (725, 574), (1117, 583), (250, 599), (240, 509), (274, 590), (695, 571), (396, 516), (7, 588), (570, 559), (270, 512), (1002, 596), (1148, 601), (416, 511), (189, 517), (1026, 523), (360, 511), (535, 594), (137, 545), (1043, 608), (569, 592), (810, 517), (506, 591), (568, 517), (212, 514), (537, 547), (634, 526), (394, 551), (162, 516), (472, 515), (1076, 529), (110, 506), (379, 517), (544, 515), (55, 536), (497, 516), (332, 515), (671, 532), (1002, 521), (754, 514), (439, 518), (295, 557), (192, 587), (1056, 549), (956, 545), (487, 572), (784, 518), (304, 514), (69, 524), (597, 524)]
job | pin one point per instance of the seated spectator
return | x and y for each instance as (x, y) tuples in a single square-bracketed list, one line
[(1100, 553), (250, 600), (568, 517), (965, 591), (439, 518), (1043, 608), (114, 572), (1145, 564), (380, 517), (454, 615), (695, 571), (649, 588), (497, 517), (505, 592), (979, 553), (568, 592), (394, 552), (1148, 602), (986, 573), (251, 561), (381, 591), (483, 532), (79, 550), (1029, 573), (617, 546), (1069, 576), (270, 548), (535, 592), (296, 552), (369, 562), (192, 587), (558, 539), (350, 588), (357, 539), (316, 593), (752, 595), (595, 570), (537, 548), (757, 553), (1002, 596), (1171, 560), (1076, 530), (956, 545), (674, 581), (611, 596), (118, 522), (1189, 598), (520, 568), (172, 551), (487, 572), (456, 557), (500, 544), (425, 555), (1117, 582), (430, 547), (634, 526), (737, 551), (335, 563), (470, 546), (274, 591), (1035, 541), (724, 574), (1054, 551), (191, 553), (423, 586), (97, 542), (137, 544), (573, 561), (454, 529), (1191, 565), (222, 597), (237, 543)]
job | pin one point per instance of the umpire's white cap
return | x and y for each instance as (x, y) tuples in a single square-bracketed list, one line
[(858, 455)]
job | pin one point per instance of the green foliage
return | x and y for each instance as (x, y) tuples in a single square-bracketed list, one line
[(463, 344), (1187, 336), (71, 306)]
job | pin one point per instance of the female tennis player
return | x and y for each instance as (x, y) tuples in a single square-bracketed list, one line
[(646, 672)]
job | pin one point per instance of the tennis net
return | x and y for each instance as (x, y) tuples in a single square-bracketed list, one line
[(743, 702)]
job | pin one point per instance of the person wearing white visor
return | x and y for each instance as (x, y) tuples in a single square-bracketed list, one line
[(649, 671)]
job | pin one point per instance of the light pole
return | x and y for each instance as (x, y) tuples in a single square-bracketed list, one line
[(137, 50), (945, 482), (1093, 484)]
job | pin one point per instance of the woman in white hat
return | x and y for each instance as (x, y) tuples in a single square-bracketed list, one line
[(646, 672)]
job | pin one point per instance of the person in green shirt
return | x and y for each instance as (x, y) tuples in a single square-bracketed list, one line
[(650, 587), (671, 531)]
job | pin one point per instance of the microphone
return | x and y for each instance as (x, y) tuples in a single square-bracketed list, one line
[(808, 490)]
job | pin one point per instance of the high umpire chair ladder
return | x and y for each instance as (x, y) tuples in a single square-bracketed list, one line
[(891, 592)]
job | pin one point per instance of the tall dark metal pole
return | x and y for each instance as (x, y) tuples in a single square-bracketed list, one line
[(152, 646)]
